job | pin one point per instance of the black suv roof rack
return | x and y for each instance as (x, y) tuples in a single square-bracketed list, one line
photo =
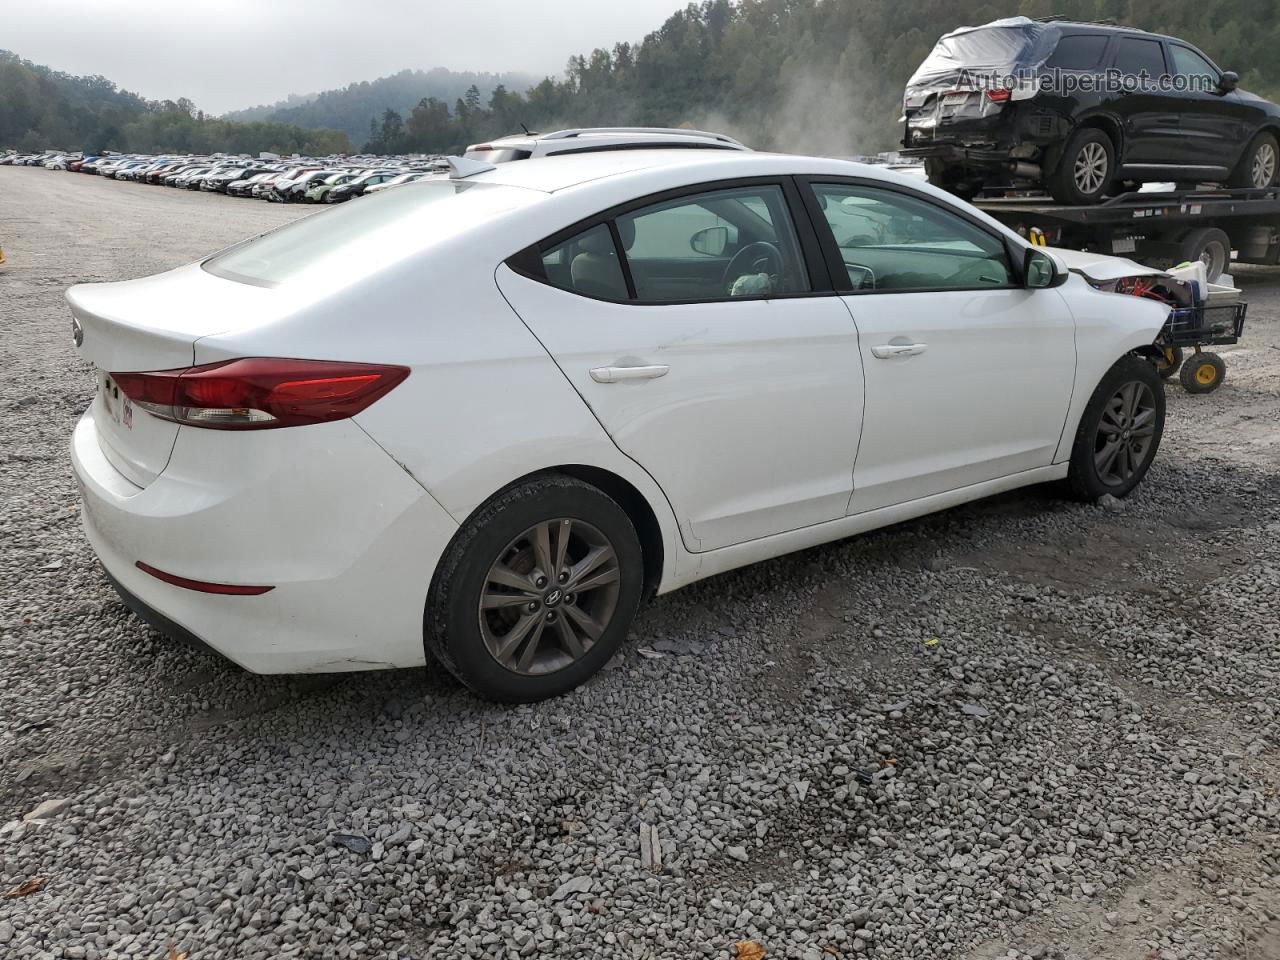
[(1062, 18)]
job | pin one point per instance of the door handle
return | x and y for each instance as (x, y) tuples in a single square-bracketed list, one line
[(891, 350), (618, 374)]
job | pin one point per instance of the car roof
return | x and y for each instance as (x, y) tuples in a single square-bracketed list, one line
[(556, 173)]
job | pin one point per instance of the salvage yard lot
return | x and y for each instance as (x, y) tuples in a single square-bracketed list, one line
[(1023, 725)]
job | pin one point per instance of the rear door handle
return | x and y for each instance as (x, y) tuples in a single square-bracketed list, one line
[(618, 374), (891, 350)]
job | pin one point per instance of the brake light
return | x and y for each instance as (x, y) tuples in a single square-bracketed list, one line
[(1001, 95), (257, 393)]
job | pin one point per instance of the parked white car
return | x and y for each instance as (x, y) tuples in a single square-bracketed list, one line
[(478, 417)]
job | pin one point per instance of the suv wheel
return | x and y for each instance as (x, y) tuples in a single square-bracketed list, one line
[(1085, 170), (536, 592), (1260, 166)]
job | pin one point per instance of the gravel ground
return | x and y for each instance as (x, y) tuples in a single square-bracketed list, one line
[(1024, 728)]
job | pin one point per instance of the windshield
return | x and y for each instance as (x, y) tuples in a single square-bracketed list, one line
[(360, 238)]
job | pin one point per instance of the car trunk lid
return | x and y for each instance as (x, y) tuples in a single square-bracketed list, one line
[(145, 325)]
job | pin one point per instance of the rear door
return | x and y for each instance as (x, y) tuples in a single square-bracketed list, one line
[(1152, 118), (968, 375), (735, 381)]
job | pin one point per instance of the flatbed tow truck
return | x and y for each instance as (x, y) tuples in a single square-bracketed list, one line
[(1157, 229)]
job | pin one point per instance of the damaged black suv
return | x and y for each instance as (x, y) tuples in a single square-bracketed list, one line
[(1083, 109)]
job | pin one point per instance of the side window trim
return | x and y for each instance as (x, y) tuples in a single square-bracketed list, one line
[(623, 261), (831, 250), (528, 261)]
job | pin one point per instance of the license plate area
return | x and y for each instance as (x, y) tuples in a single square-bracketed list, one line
[(117, 406)]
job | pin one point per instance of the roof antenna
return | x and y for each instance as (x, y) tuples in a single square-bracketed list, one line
[(526, 130)]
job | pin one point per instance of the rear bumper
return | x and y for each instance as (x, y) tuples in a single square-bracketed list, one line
[(347, 539), (971, 157)]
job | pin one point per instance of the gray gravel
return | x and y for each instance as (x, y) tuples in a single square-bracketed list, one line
[(1025, 728)]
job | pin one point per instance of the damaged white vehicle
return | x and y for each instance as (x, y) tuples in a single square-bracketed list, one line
[(476, 419)]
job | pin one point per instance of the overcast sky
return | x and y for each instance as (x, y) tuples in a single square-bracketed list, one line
[(227, 54)]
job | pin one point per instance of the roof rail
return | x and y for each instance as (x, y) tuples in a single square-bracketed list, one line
[(1062, 18), (666, 131)]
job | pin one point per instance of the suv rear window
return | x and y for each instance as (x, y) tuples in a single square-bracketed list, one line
[(1137, 56), (1079, 52)]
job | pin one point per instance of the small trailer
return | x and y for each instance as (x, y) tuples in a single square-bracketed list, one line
[(1158, 229)]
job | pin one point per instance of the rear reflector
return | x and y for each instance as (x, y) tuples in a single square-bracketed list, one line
[(1001, 95), (257, 393), (227, 589)]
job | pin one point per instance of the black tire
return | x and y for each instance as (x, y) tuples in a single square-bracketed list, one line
[(1168, 363), (951, 179), (1211, 245), (1076, 180), (452, 629), (1085, 481), (1251, 169), (1203, 373)]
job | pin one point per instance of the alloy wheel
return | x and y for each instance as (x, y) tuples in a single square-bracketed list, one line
[(549, 596), (1091, 168), (1264, 164), (1126, 432)]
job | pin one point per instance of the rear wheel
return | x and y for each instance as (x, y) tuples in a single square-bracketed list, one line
[(1119, 432), (1259, 167), (1085, 169), (536, 592), (1210, 246), (1203, 373)]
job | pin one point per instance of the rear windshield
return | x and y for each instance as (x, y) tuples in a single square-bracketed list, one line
[(503, 155), (1002, 46), (370, 232)]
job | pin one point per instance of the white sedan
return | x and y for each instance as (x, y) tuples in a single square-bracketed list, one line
[(478, 418)]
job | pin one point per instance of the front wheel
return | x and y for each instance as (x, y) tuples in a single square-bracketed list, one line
[(536, 592), (1119, 432)]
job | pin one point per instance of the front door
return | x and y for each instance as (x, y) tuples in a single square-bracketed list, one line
[(1150, 115), (703, 350), (968, 375)]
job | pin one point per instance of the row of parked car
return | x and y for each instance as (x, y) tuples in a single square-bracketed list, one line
[(296, 180)]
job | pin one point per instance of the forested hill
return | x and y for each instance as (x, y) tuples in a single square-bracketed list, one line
[(42, 108), (350, 108), (817, 75)]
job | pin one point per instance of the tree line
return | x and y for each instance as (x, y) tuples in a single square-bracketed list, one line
[(42, 108)]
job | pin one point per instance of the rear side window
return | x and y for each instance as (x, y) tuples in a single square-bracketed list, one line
[(1138, 56), (587, 264), (1079, 52)]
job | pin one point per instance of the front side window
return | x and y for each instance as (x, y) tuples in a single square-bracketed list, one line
[(1188, 63), (893, 241), (723, 244)]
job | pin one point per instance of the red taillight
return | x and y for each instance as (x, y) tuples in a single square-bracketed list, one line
[(1002, 95), (259, 392), (202, 586)]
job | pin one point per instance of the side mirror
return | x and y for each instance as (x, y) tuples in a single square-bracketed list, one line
[(712, 241), (1229, 81), (1039, 271)]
